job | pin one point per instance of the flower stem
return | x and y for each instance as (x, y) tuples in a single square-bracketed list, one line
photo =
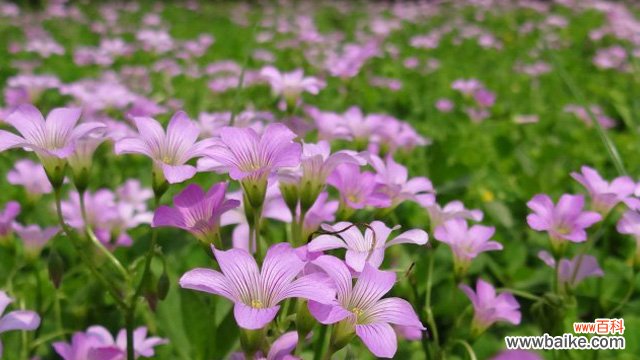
[(627, 296), (430, 319), (94, 239), (131, 311), (110, 286)]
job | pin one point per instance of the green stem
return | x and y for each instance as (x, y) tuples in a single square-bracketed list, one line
[(521, 293), (133, 302), (109, 286), (627, 296), (468, 348), (129, 324), (94, 239), (430, 319)]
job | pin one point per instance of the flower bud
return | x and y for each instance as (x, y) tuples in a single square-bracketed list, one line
[(343, 333), (304, 320), (252, 341), (289, 193), (163, 285), (254, 193), (56, 268)]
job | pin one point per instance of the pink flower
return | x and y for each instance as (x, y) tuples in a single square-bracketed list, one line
[(444, 105), (256, 293), (7, 219), (466, 242), (53, 140), (98, 343), (291, 85), (452, 210), (31, 175), (196, 212), (357, 190), (564, 221), (280, 349), (316, 164), (15, 320), (252, 158), (489, 308), (395, 182), (586, 267), (467, 87), (361, 305), (169, 151), (604, 195), (367, 248), (35, 238)]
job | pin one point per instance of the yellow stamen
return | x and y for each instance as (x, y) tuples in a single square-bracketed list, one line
[(257, 304)]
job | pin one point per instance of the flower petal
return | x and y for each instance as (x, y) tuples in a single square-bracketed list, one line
[(10, 141), (310, 287), (394, 311), (371, 286), (251, 318), (327, 314), (326, 242), (209, 281), (283, 346), (413, 236), (379, 338), (340, 274), (241, 271), (178, 173), (19, 320)]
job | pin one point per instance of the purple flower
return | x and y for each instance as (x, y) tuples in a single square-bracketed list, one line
[(397, 185), (357, 189), (15, 320), (31, 175), (196, 212), (291, 85), (444, 105), (484, 98), (322, 211), (604, 195), (106, 215), (81, 158), (251, 158), (7, 219), (564, 221), (567, 272), (466, 242), (452, 210), (169, 151), (256, 293), (35, 238), (280, 349), (489, 308), (630, 224), (467, 87), (53, 139), (98, 343), (316, 164), (367, 248), (134, 195), (361, 305)]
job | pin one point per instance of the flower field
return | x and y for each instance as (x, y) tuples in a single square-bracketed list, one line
[(319, 179)]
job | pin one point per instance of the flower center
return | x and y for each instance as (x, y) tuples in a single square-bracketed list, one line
[(357, 312), (257, 304)]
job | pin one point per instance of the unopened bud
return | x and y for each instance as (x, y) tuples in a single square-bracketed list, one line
[(56, 268)]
